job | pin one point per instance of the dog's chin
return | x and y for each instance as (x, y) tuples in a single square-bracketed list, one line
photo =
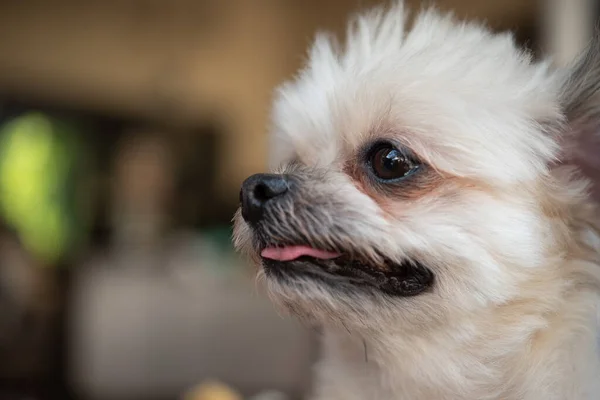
[(342, 274)]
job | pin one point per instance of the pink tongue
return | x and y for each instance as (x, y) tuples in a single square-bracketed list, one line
[(293, 252)]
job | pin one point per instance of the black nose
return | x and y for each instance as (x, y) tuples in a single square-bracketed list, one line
[(257, 191)]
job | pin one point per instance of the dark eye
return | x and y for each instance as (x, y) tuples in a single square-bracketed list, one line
[(390, 163)]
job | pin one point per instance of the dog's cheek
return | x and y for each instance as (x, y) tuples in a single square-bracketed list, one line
[(506, 242), (511, 226), (480, 247), (515, 232)]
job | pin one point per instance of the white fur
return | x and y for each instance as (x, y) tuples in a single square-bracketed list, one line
[(512, 238), (427, 82)]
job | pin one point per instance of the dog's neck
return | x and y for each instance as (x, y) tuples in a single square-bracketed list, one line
[(508, 353)]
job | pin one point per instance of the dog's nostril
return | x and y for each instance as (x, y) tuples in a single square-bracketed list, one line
[(261, 192), (257, 191)]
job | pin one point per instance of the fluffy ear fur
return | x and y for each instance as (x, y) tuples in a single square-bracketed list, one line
[(581, 104)]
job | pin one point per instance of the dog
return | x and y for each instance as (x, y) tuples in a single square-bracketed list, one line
[(430, 210)]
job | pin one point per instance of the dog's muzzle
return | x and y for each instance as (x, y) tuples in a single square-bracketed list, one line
[(294, 246)]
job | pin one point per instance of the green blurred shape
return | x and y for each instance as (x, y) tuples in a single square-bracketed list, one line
[(38, 165)]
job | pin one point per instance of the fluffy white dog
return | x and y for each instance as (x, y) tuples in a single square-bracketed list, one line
[(429, 211)]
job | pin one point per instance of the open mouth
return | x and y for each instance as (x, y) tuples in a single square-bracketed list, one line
[(339, 271)]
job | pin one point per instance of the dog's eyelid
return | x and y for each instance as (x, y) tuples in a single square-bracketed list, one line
[(406, 150)]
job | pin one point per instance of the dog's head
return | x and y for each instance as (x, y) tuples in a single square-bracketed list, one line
[(414, 172)]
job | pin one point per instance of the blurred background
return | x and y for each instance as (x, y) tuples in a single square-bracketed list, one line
[(126, 128)]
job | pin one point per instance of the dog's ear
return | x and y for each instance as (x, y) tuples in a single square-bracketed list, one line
[(580, 98)]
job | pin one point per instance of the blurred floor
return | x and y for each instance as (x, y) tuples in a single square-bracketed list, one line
[(147, 324)]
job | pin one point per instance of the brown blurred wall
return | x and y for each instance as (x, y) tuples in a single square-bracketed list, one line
[(181, 60)]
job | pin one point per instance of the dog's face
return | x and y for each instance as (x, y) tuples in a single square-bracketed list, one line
[(411, 175)]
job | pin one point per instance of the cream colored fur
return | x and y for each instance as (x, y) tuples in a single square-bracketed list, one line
[(510, 231)]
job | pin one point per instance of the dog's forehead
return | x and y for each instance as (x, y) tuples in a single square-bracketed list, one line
[(466, 100)]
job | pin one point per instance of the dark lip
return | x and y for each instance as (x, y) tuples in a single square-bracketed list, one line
[(410, 278)]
